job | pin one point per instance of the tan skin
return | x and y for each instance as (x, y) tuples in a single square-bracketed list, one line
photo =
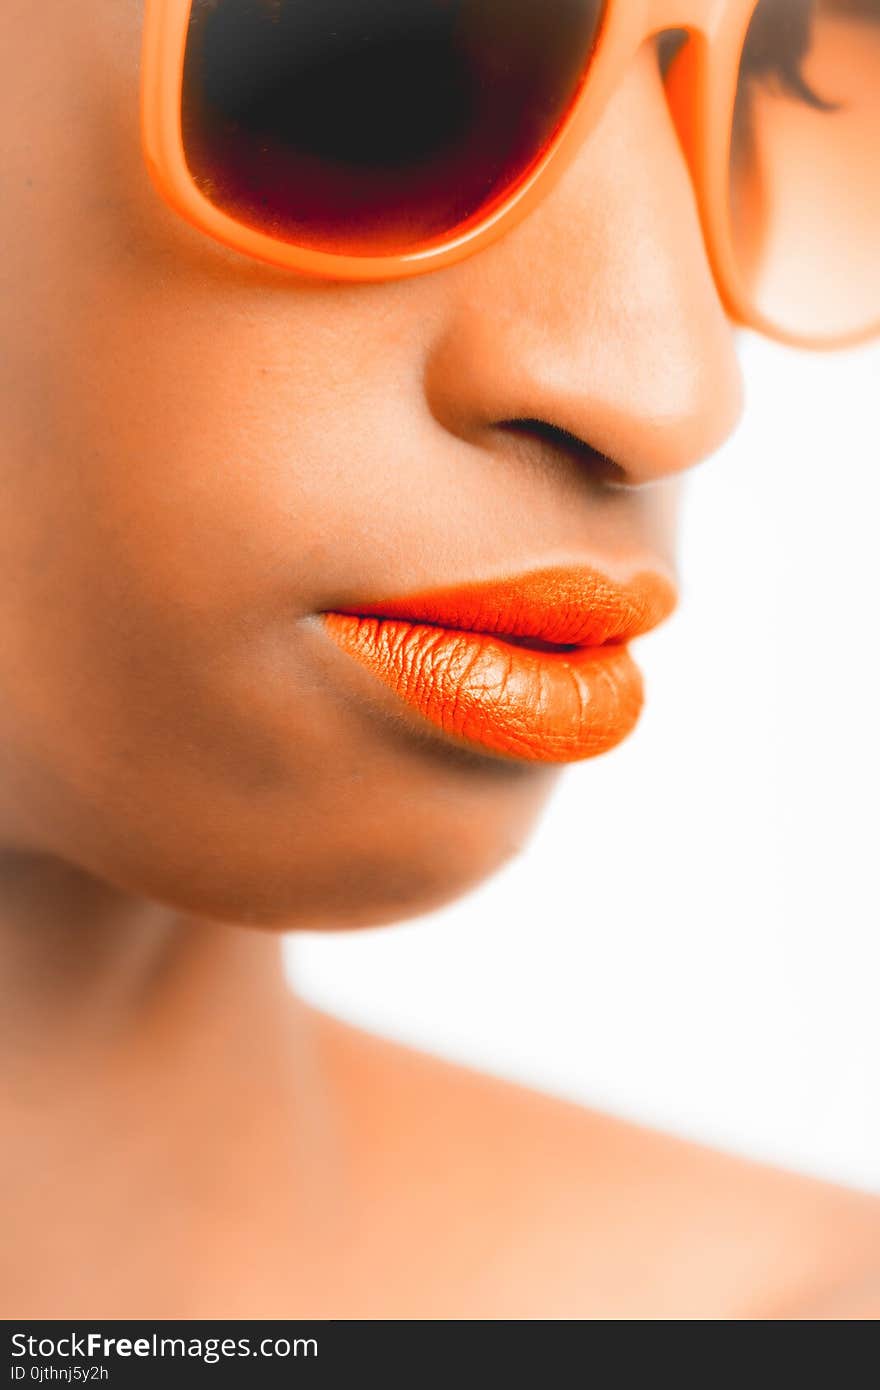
[(200, 454)]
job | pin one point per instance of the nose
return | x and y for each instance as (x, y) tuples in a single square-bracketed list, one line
[(598, 314)]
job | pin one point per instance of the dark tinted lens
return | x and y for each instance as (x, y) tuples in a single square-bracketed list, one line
[(361, 126), (805, 164)]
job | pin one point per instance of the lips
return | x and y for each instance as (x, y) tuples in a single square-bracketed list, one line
[(533, 667)]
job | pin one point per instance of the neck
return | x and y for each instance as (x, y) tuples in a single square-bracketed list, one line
[(145, 1051), (86, 968)]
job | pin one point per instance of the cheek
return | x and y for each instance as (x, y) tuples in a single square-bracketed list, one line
[(177, 410)]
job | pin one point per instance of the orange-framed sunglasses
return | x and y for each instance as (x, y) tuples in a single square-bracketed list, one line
[(373, 139)]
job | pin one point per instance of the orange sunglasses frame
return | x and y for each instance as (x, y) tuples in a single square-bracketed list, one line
[(701, 90)]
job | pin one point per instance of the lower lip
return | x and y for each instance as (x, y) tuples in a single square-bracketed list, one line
[(554, 706)]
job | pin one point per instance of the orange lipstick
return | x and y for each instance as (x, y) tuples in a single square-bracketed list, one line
[(533, 667)]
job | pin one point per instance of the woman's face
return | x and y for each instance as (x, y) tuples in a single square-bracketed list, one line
[(202, 454)]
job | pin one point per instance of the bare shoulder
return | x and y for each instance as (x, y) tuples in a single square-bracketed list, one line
[(560, 1211)]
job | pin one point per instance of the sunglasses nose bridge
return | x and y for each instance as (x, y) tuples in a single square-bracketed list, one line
[(697, 112), (697, 16), (683, 96)]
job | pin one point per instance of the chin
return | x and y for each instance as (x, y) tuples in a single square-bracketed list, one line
[(404, 873), (341, 844)]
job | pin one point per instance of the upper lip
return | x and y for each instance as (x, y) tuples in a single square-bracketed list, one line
[(564, 606)]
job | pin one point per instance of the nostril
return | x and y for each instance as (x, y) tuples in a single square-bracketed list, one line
[(598, 467)]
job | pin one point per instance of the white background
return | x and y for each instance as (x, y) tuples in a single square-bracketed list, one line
[(693, 937)]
